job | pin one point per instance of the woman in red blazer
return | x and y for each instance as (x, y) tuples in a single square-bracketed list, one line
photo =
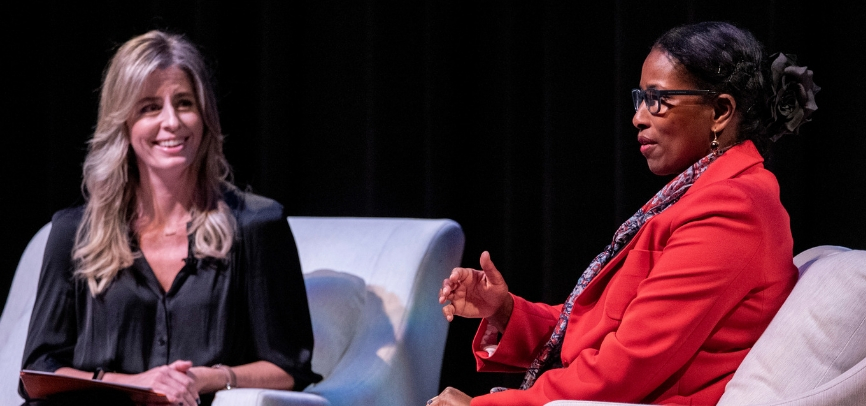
[(667, 312)]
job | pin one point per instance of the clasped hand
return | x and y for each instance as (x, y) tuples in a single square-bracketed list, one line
[(176, 381)]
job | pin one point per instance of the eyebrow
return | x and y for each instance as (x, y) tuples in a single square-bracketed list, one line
[(147, 99), (155, 98)]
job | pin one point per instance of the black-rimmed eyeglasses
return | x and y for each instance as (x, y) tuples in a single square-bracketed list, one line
[(652, 97)]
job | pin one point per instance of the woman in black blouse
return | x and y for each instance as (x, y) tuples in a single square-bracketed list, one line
[(169, 277)]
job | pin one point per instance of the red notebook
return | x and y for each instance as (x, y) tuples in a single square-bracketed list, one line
[(41, 385)]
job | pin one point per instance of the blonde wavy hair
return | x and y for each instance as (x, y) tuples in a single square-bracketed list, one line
[(110, 175)]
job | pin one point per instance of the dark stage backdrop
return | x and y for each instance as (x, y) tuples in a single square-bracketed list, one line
[(512, 118)]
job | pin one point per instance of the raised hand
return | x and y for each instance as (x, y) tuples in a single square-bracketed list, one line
[(474, 294)]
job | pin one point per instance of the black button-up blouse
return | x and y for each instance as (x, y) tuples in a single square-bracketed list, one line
[(250, 307)]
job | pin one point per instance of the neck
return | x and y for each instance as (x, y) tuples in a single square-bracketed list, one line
[(163, 203)]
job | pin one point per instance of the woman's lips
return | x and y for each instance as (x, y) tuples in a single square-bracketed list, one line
[(170, 145), (646, 144)]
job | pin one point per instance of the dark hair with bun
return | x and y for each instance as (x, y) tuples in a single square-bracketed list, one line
[(774, 96)]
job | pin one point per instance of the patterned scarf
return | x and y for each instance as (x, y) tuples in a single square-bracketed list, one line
[(670, 194)]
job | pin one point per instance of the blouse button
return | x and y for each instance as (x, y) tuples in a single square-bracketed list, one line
[(161, 341)]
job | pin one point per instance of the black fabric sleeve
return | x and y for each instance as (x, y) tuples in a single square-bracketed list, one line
[(52, 333), (276, 297)]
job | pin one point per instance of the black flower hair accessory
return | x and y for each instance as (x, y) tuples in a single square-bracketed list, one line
[(793, 95)]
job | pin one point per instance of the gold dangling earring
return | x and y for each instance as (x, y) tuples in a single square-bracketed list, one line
[(714, 145)]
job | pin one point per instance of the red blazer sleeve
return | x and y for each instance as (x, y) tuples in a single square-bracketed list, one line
[(527, 331)]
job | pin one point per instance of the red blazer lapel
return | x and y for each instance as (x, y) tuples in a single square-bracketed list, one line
[(595, 288), (727, 166)]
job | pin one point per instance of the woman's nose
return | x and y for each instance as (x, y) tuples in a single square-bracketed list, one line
[(639, 119), (170, 121)]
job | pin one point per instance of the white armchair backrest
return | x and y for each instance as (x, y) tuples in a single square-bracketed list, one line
[(16, 316), (814, 350), (395, 356)]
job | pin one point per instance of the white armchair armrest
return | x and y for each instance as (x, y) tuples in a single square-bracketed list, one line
[(267, 397)]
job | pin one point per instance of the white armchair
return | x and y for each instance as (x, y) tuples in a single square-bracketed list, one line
[(371, 283), (16, 316), (814, 351)]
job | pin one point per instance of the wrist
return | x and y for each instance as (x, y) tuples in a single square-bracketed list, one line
[(230, 379), (499, 320), (207, 379), (111, 377)]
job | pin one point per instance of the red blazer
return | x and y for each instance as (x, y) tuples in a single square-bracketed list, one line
[(670, 318)]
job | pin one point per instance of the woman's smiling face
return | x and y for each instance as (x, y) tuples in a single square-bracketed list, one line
[(680, 134), (166, 128)]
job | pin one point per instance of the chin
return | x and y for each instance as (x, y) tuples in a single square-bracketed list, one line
[(664, 169), (171, 169), (656, 170)]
